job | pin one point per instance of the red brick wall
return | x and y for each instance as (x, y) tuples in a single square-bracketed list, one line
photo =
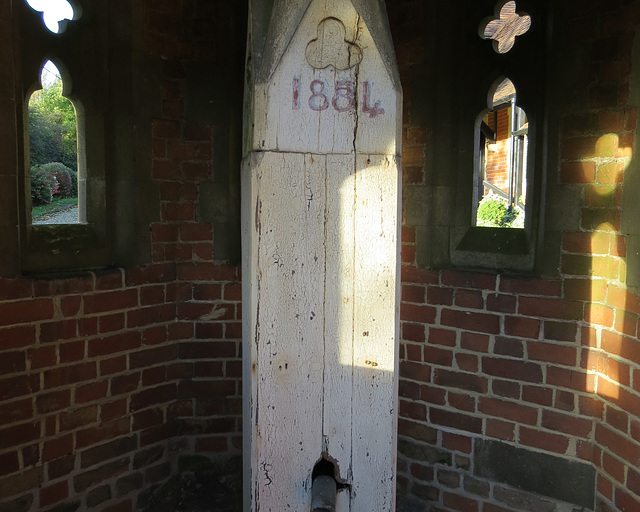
[(545, 364), (107, 377), (498, 161)]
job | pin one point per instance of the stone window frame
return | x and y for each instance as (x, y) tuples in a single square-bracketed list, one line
[(95, 55), (441, 208)]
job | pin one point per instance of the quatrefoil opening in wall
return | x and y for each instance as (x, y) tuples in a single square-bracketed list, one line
[(56, 13), (331, 48), (504, 28)]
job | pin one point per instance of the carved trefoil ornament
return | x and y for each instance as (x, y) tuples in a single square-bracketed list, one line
[(330, 47)]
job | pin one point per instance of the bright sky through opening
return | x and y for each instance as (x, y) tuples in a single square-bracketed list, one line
[(53, 11)]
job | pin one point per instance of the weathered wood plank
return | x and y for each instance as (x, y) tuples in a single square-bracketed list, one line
[(320, 242)]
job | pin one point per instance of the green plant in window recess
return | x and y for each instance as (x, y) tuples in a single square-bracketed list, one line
[(493, 211)]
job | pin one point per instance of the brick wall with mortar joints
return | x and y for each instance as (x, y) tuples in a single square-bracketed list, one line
[(455, 338), (106, 378), (489, 357)]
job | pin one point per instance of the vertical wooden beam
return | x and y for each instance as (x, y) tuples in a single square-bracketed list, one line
[(321, 194)]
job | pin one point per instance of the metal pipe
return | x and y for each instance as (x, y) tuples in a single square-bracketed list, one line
[(323, 494)]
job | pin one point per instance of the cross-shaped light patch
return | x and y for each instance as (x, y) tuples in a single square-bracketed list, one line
[(504, 29)]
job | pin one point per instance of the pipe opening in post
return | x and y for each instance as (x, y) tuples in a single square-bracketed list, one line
[(324, 487)]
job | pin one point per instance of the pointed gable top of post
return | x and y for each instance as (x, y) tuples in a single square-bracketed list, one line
[(273, 24)]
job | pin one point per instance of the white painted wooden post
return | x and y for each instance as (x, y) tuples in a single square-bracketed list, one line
[(320, 205)]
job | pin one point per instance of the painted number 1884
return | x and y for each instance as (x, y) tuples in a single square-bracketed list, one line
[(343, 98)]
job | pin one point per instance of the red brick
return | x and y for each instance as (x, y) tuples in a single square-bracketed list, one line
[(537, 395), (570, 379), (9, 463), (69, 374), (111, 323), (543, 440), (575, 426), (469, 299), (154, 335), (113, 365), (550, 308), (622, 346), (438, 356), (468, 280), (443, 337), (411, 293), (19, 410), (456, 442), (419, 372), (552, 353), (508, 410), (625, 502), (460, 503), (500, 429), (113, 410), (148, 418), (72, 420), (20, 434), (16, 386), (417, 313), (438, 295), (91, 392), (479, 322), (578, 172), (512, 369), (408, 234), (461, 401), (207, 291), (508, 347), (618, 444), (17, 337), (475, 342), (101, 433), (25, 311), (13, 289), (42, 357), (617, 419), (153, 376), (591, 407), (12, 362), (157, 395), (152, 274), (112, 344), (599, 314), (506, 388), (412, 410), (460, 380), (501, 303), (455, 420), (532, 286), (411, 274), (467, 362), (54, 401), (110, 301), (56, 448)]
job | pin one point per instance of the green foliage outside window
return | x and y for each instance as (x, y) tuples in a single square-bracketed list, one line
[(52, 127), (493, 211)]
